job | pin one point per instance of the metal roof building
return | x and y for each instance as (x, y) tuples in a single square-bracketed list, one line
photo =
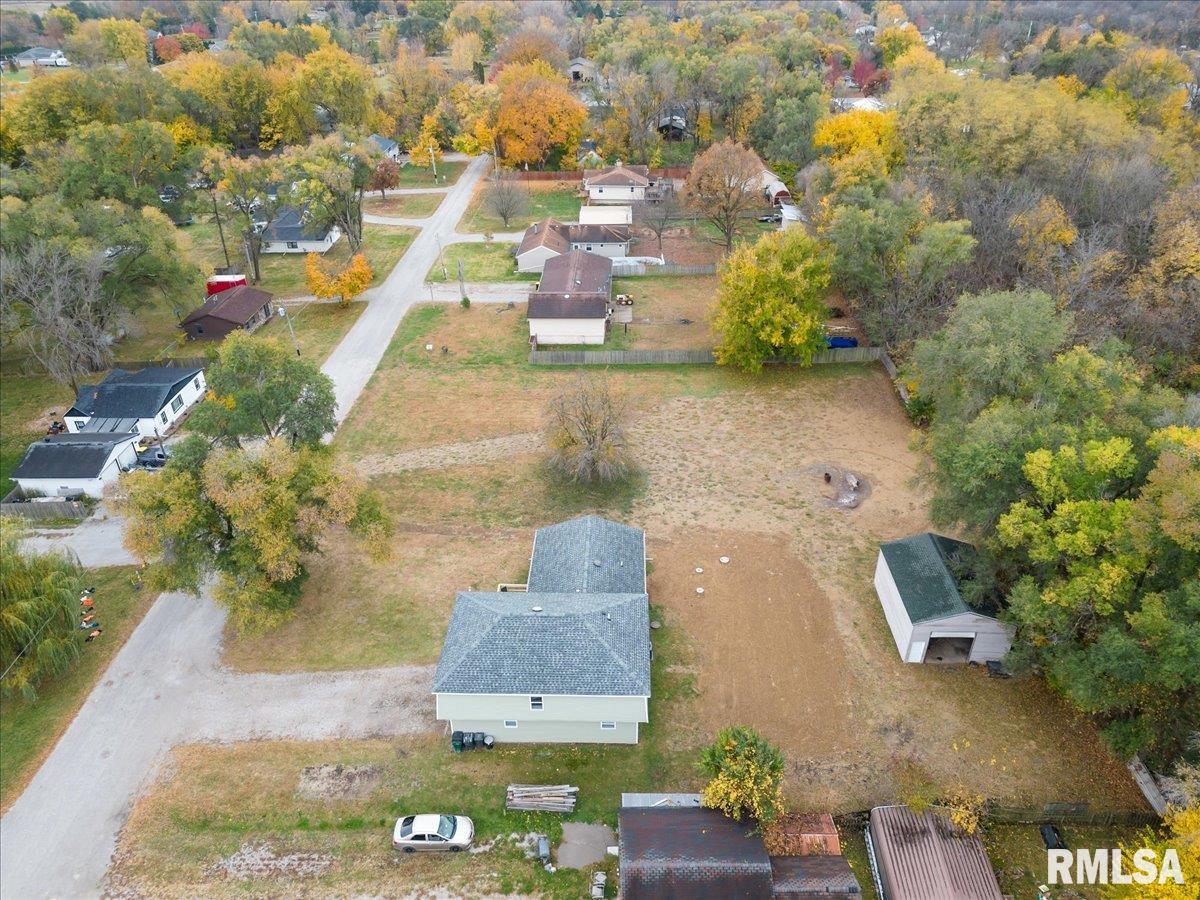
[(925, 858)]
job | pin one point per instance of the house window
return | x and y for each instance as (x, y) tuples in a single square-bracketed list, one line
[(196, 383), (599, 190), (510, 723), (535, 703), (199, 329), (163, 416), (292, 245), (589, 246), (177, 403), (608, 726)]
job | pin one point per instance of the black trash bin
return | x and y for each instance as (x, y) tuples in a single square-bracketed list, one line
[(456, 741), (479, 736)]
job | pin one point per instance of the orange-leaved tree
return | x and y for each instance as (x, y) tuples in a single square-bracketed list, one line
[(345, 285)]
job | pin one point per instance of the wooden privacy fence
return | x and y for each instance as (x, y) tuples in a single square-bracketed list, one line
[(48, 509), (626, 269), (177, 362), (1069, 814)]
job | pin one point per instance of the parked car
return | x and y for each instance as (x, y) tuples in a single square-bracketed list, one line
[(771, 217), (433, 832), (152, 458)]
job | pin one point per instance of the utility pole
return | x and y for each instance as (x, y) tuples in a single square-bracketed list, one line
[(220, 230), (283, 315), (433, 160)]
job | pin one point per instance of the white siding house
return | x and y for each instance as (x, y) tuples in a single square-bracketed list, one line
[(617, 184), (291, 232), (543, 241), (558, 323), (149, 401), (67, 465), (929, 620), (568, 660)]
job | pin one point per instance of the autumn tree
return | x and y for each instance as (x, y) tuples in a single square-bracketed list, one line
[(897, 40), (658, 216), (860, 145), (506, 197), (252, 187), (39, 612), (539, 121), (345, 285), (340, 84), (257, 388), (414, 85), (745, 774), (167, 48), (384, 176), (100, 41), (330, 178), (724, 187), (771, 301), (426, 149), (585, 433), (248, 517)]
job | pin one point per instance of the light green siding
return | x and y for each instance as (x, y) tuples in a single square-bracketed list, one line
[(562, 719), (543, 731)]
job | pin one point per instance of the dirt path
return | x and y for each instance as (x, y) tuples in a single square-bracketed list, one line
[(444, 455)]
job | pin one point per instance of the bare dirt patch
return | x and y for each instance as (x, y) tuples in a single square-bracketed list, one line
[(45, 419), (682, 245), (260, 860), (670, 312), (335, 781)]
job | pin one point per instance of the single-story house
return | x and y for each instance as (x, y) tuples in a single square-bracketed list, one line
[(918, 580), (147, 402), (926, 858), (40, 56), (606, 215), (572, 301), (669, 846), (673, 127), (588, 155), (386, 145), (237, 307), (565, 661), (848, 104), (581, 69), (619, 184), (67, 465), (545, 240), (292, 231)]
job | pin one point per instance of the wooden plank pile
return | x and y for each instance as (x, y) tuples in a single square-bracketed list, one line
[(541, 797)]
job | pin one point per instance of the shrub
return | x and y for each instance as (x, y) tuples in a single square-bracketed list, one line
[(586, 433), (746, 772)]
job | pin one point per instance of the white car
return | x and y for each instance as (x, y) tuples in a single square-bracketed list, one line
[(433, 832)]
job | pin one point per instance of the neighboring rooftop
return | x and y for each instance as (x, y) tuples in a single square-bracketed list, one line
[(236, 304), (550, 233), (385, 144), (576, 272), (925, 858), (547, 643), (131, 395), (292, 224), (619, 176), (588, 555), (805, 876), (689, 852), (69, 455), (923, 567), (555, 306)]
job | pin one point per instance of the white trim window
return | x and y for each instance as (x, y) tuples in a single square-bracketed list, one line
[(536, 703), (177, 403), (608, 726), (510, 723)]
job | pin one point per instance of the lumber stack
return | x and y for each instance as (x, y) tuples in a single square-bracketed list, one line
[(541, 797)]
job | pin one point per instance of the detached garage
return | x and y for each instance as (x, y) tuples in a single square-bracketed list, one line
[(918, 585)]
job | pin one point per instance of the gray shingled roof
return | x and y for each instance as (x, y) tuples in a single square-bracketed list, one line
[(385, 144), (589, 554), (238, 304), (804, 876), (290, 224), (922, 567), (69, 455), (582, 644), (132, 395)]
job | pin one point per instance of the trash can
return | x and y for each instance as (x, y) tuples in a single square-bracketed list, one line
[(479, 736), (468, 740), (488, 741), (456, 741)]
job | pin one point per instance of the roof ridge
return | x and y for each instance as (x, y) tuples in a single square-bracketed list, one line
[(602, 639), (438, 675)]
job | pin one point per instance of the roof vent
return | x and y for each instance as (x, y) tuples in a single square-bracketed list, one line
[(536, 608), (596, 563)]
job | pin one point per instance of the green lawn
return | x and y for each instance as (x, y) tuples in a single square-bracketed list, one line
[(481, 262), (403, 206), (283, 273), (554, 202), (319, 327), (1019, 856), (418, 176), (29, 730), (23, 399)]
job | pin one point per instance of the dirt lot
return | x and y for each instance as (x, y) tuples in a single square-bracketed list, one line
[(669, 312)]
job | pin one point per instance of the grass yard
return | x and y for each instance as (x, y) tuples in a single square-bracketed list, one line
[(216, 800), (28, 404), (661, 304), (558, 200), (319, 327), (422, 176), (1019, 856), (403, 206), (481, 262), (28, 731), (283, 273)]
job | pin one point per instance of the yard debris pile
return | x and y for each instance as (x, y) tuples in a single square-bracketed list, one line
[(841, 488), (544, 798), (259, 860), (338, 782)]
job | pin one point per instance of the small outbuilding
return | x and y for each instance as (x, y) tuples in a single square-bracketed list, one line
[(67, 465), (241, 307), (924, 857), (919, 581)]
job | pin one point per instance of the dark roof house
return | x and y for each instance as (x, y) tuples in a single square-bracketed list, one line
[(69, 456), (237, 307), (926, 858), (577, 272), (131, 395), (292, 224), (385, 144), (696, 853), (807, 876)]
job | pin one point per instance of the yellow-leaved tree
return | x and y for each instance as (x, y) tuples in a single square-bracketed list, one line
[(345, 285), (746, 773), (859, 144), (1182, 836)]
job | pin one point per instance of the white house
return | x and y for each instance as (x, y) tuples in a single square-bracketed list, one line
[(291, 231), (581, 69), (386, 145), (41, 56), (618, 184), (918, 582), (567, 660), (543, 241), (148, 402), (606, 215), (67, 465)]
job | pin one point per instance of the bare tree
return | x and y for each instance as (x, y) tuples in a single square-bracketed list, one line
[(61, 316), (724, 186), (586, 433), (658, 217), (506, 196)]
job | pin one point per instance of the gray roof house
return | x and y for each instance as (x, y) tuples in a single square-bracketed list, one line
[(386, 145), (565, 661), (919, 583), (294, 231), (64, 465)]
